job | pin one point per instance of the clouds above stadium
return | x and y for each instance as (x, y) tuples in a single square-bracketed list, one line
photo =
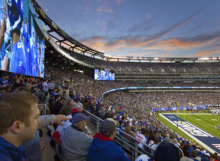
[(141, 28)]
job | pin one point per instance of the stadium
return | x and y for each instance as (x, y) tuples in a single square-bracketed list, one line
[(94, 106)]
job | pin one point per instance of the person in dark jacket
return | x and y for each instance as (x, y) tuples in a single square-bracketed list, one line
[(66, 109), (57, 106), (103, 147), (17, 129), (56, 98)]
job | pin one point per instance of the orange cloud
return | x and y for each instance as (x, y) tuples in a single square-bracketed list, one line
[(206, 53), (171, 45), (99, 43)]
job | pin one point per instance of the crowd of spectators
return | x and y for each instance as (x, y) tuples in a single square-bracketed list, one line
[(125, 114)]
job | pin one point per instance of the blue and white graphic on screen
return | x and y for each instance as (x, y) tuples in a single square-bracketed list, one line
[(103, 75), (22, 45)]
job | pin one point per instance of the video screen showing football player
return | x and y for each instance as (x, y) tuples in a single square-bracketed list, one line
[(17, 55), (3, 17)]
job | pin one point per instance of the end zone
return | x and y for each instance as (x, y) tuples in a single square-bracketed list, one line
[(208, 141)]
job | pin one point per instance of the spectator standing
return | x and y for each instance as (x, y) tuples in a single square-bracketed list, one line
[(75, 143), (54, 100), (57, 106), (45, 86), (51, 86), (103, 147), (4, 80)]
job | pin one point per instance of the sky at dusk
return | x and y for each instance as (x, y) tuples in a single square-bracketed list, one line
[(150, 28)]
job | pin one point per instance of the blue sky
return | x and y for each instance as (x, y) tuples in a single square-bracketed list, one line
[(151, 28)]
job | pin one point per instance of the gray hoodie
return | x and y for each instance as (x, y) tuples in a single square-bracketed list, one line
[(75, 144)]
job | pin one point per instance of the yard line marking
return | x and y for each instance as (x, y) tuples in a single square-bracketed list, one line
[(199, 119), (201, 124), (214, 119)]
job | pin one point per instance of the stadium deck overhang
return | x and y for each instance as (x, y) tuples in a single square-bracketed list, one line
[(72, 44)]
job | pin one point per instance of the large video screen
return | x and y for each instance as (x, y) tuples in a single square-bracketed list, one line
[(21, 40), (103, 75)]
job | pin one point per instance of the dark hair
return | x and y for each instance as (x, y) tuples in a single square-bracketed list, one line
[(76, 100), (16, 85), (194, 153), (186, 150), (144, 131), (15, 106), (56, 96), (8, 87), (151, 137), (63, 99)]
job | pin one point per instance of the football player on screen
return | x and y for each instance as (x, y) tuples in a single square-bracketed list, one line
[(26, 42), (17, 56), (34, 54)]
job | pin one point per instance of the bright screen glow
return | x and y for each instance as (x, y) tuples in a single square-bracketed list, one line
[(21, 41), (103, 75)]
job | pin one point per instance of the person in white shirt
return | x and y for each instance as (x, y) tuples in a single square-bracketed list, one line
[(51, 86), (45, 86), (61, 129), (141, 137)]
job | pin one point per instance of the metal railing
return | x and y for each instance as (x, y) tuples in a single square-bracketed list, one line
[(130, 147)]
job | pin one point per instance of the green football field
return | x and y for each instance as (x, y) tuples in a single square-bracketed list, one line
[(205, 122)]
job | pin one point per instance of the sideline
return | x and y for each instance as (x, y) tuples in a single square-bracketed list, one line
[(194, 138)]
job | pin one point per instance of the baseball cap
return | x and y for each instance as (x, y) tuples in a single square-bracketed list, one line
[(142, 157), (79, 117), (12, 75), (108, 125), (166, 152), (75, 110), (4, 74)]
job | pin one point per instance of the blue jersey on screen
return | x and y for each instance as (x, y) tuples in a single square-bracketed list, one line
[(34, 61), (27, 48), (1, 13), (16, 11), (2, 54), (18, 60)]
